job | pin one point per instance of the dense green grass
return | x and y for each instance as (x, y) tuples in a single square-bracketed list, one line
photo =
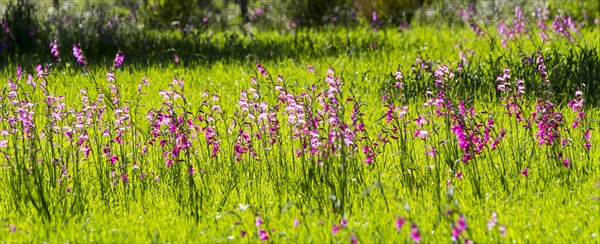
[(224, 196)]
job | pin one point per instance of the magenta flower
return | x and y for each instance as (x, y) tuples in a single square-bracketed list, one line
[(344, 222), (54, 50), (414, 233), (462, 222), (78, 53), (113, 159), (258, 222), (5, 28), (493, 221), (335, 229), (525, 172), (261, 69), (296, 223), (399, 223), (263, 235), (353, 239), (566, 162), (242, 233), (432, 152), (119, 59), (124, 178), (421, 120)]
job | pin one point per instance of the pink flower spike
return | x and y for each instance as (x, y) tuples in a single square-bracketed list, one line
[(258, 222), (399, 223), (344, 222), (414, 233), (462, 223), (296, 223), (263, 235), (567, 163), (492, 222), (502, 230), (120, 57), (262, 70), (353, 239), (432, 152), (335, 229)]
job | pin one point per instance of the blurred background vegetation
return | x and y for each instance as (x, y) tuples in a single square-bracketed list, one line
[(162, 28)]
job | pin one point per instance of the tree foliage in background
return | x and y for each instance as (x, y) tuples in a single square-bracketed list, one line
[(315, 12), (161, 13), (389, 11), (21, 27)]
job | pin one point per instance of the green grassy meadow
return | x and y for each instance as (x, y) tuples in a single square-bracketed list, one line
[(333, 135)]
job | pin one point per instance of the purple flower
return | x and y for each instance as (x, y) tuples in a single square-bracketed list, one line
[(5, 28), (263, 235), (353, 239), (493, 221), (54, 50), (78, 53), (335, 229), (113, 159), (462, 222), (414, 233), (566, 163), (124, 178), (261, 69), (399, 223), (344, 222), (119, 59), (525, 172)]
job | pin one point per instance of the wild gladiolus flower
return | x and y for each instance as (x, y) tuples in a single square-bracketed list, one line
[(54, 50), (335, 229), (566, 162), (399, 223), (263, 235), (261, 69), (79, 55), (353, 239), (258, 222), (119, 59), (414, 233)]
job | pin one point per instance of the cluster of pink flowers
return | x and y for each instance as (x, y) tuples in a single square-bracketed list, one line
[(512, 94), (563, 24), (517, 29)]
